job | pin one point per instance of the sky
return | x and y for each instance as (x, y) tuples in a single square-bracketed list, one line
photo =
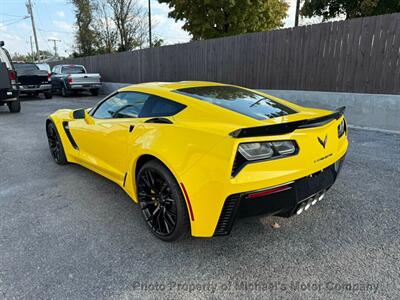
[(54, 19)]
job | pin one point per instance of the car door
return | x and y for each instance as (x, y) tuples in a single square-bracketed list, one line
[(102, 137)]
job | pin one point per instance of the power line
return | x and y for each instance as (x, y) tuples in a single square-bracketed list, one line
[(8, 15), (15, 21), (58, 31)]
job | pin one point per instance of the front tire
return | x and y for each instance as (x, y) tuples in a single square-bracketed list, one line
[(55, 144), (14, 106), (48, 95), (65, 92), (162, 202), (94, 92)]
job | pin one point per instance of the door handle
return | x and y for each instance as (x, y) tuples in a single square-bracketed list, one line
[(131, 128)]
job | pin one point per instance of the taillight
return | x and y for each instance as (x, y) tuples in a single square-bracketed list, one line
[(270, 191), (48, 76), (69, 79), (12, 75)]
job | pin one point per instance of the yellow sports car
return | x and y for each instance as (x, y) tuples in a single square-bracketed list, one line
[(197, 155)]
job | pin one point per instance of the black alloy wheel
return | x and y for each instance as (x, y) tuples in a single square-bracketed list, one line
[(162, 202), (55, 144)]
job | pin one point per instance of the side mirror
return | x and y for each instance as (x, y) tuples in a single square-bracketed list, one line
[(1, 43), (79, 114), (82, 114)]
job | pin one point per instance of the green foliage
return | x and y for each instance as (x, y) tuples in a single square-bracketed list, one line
[(350, 8), (158, 42), (29, 57), (206, 19), (85, 37)]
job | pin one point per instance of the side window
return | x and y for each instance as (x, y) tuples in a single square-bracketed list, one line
[(159, 107), (121, 105), (136, 105)]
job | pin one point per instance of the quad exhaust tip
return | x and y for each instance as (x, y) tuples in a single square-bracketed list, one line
[(310, 202)]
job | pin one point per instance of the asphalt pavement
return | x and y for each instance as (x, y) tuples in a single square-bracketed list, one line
[(66, 232)]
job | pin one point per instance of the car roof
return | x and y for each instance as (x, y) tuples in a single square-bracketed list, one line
[(169, 86), (69, 65)]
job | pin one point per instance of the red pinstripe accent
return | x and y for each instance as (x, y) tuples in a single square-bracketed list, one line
[(188, 201)]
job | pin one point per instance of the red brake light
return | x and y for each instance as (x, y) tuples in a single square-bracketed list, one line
[(270, 191), (48, 76), (12, 75), (69, 79)]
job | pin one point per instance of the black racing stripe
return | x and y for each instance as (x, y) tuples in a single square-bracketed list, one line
[(69, 135)]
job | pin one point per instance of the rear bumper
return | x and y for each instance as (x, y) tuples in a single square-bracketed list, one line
[(283, 200), (84, 86), (35, 88), (7, 95)]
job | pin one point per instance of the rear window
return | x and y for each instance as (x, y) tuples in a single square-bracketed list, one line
[(239, 100), (73, 70), (5, 58), (25, 67)]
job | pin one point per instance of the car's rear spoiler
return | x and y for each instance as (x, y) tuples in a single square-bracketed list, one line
[(284, 128)]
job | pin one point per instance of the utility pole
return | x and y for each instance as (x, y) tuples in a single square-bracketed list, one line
[(30, 39), (150, 41), (30, 12), (55, 46), (296, 18)]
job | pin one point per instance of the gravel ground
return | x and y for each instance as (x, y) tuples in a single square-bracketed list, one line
[(66, 232)]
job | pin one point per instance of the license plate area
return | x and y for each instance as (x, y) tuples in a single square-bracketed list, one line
[(315, 183)]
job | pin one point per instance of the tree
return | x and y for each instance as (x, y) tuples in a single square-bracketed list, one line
[(158, 42), (350, 8), (85, 36), (106, 30), (206, 19), (131, 23), (43, 54)]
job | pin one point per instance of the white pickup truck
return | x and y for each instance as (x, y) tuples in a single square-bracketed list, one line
[(67, 79)]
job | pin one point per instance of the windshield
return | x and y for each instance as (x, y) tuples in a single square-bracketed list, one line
[(25, 67), (243, 101), (73, 70)]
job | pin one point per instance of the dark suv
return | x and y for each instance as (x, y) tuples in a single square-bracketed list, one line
[(9, 92)]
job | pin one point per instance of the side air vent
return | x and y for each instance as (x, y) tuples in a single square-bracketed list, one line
[(69, 135), (238, 164), (227, 216)]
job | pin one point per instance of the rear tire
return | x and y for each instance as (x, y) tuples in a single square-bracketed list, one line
[(14, 106), (48, 95), (55, 144), (94, 92), (162, 202)]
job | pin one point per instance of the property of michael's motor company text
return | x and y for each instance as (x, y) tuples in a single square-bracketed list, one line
[(258, 286)]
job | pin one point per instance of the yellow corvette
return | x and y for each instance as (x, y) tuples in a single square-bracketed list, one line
[(197, 155)]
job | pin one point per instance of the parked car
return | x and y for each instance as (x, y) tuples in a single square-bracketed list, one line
[(9, 92), (66, 79), (197, 155), (32, 80)]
